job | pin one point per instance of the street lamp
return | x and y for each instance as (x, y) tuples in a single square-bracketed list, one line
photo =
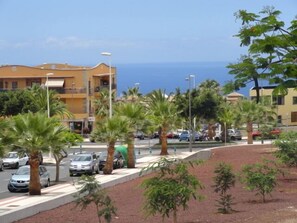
[(47, 94), (110, 82), (190, 112)]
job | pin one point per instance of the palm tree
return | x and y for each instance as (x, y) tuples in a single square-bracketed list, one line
[(111, 131), (39, 98), (164, 115), (5, 137), (134, 112), (250, 112), (226, 117), (101, 104), (34, 133), (132, 94)]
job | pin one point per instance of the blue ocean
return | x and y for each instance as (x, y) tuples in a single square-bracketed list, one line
[(170, 76)]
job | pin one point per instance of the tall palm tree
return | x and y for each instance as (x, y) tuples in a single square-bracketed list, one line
[(111, 131), (135, 114), (101, 104), (5, 137), (34, 133), (251, 113), (164, 115)]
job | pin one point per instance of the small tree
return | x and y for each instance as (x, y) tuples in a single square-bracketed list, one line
[(287, 148), (171, 188), (90, 192), (260, 177), (224, 180)]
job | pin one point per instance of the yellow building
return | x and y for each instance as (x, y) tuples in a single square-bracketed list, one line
[(286, 106), (77, 86)]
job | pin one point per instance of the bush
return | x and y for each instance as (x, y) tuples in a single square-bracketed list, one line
[(224, 180), (90, 192), (260, 177), (171, 188), (287, 148)]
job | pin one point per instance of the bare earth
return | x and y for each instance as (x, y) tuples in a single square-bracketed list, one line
[(281, 207)]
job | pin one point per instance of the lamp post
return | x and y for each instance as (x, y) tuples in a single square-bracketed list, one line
[(190, 112), (47, 94), (110, 82)]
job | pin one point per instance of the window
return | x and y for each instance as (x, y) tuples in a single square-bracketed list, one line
[(279, 119), (278, 100), (294, 100), (14, 85), (294, 117)]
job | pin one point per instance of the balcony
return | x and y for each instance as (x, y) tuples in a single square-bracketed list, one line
[(101, 87)]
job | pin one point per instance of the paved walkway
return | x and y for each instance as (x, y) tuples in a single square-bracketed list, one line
[(18, 207)]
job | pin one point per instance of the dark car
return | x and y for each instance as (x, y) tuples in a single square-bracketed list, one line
[(118, 160)]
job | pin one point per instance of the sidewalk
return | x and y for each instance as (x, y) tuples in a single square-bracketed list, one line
[(19, 207)]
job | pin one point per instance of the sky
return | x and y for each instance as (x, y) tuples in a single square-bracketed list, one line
[(134, 31)]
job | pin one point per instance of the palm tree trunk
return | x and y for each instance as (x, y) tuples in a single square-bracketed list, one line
[(108, 168), (164, 142), (131, 160), (249, 130), (58, 161), (34, 184)]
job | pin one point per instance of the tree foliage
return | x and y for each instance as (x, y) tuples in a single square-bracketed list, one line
[(260, 177), (170, 189), (287, 148), (272, 51), (90, 192), (224, 180)]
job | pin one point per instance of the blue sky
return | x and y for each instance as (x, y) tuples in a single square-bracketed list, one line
[(134, 31)]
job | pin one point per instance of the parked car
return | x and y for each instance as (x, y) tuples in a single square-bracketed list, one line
[(1, 164), (118, 160), (185, 136), (19, 181), (172, 135), (85, 163), (139, 135), (233, 134), (14, 160), (272, 134)]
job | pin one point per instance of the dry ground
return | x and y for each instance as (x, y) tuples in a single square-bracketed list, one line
[(281, 207)]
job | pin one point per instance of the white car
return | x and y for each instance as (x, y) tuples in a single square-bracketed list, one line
[(14, 160)]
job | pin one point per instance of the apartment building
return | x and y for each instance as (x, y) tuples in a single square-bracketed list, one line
[(286, 105), (77, 86)]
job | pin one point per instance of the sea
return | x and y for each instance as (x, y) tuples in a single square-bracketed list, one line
[(170, 76)]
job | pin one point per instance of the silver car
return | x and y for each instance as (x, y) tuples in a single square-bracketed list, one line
[(14, 160), (19, 181), (85, 163)]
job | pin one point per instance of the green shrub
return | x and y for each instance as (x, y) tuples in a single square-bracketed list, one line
[(90, 192), (260, 177), (224, 180), (287, 148), (171, 188)]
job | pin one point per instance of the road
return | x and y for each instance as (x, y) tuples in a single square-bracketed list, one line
[(141, 149), (140, 145)]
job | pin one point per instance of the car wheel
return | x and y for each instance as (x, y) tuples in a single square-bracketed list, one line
[(70, 174), (10, 189), (97, 170), (27, 163), (1, 167), (16, 165), (232, 138)]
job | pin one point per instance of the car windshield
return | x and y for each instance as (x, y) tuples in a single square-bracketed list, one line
[(82, 158), (23, 171), (12, 155)]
